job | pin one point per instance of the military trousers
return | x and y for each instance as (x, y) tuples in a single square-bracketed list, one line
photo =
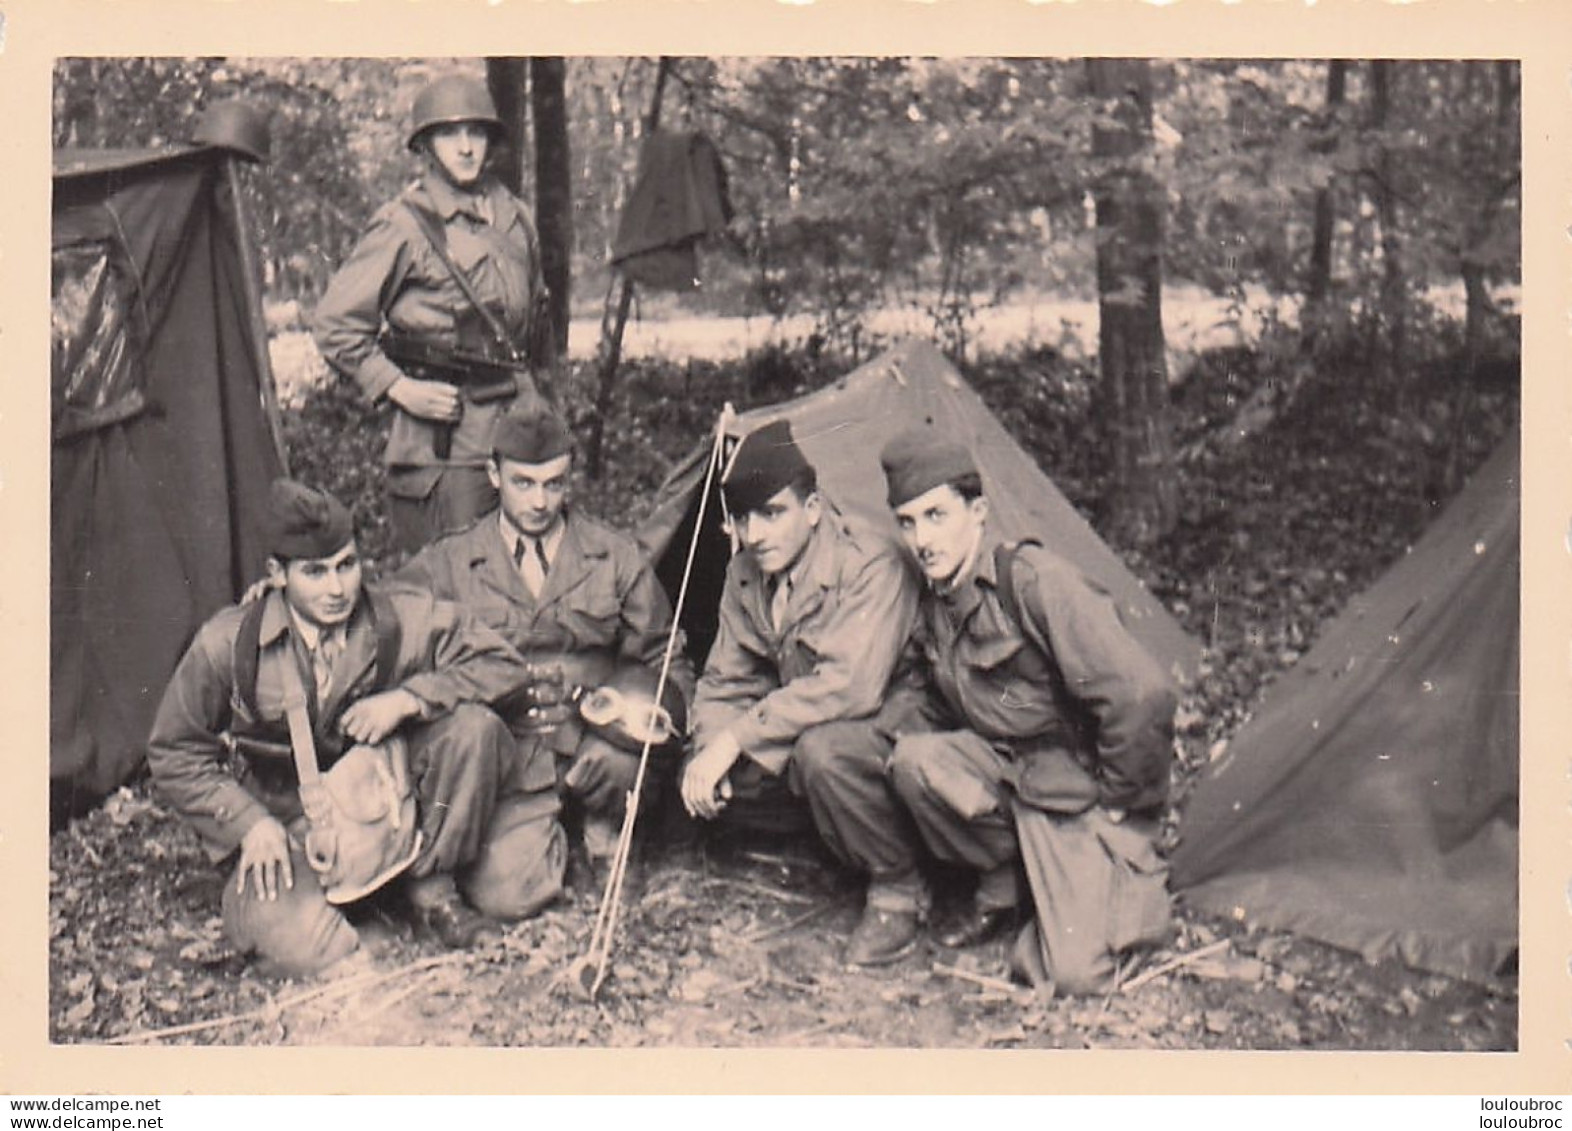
[(1097, 884), (456, 762), (840, 771)]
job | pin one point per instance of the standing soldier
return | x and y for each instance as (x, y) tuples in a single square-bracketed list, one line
[(382, 691), (1062, 738), (440, 309), (579, 601), (814, 617)]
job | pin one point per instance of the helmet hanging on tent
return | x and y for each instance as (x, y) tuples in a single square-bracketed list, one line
[(451, 99), (235, 125)]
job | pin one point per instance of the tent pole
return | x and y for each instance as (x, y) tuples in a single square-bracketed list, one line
[(249, 278)]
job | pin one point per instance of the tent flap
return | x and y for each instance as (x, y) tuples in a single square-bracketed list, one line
[(162, 453)]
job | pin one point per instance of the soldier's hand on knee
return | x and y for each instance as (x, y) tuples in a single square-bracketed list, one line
[(264, 858), (373, 718)]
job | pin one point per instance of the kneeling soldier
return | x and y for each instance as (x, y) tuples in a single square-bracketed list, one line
[(1060, 756), (814, 618), (579, 601), (383, 691)]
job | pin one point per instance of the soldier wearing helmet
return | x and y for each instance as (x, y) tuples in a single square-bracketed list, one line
[(400, 281)]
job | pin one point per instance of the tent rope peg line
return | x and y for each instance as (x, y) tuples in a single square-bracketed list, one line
[(587, 973)]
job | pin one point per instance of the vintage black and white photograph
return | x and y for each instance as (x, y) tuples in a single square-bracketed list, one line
[(785, 552)]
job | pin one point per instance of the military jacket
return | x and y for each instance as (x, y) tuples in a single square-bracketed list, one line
[(445, 657), (849, 615), (395, 276), (601, 604), (1083, 710)]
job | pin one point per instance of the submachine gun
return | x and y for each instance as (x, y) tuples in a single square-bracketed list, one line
[(482, 367)]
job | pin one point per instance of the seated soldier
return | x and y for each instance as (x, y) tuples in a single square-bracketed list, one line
[(1062, 732), (814, 616), (578, 600), (325, 673)]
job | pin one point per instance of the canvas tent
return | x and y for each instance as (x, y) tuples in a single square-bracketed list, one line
[(1372, 800), (842, 428), (161, 452)]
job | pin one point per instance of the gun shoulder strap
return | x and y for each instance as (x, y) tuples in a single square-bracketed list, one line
[(248, 644), (430, 226)]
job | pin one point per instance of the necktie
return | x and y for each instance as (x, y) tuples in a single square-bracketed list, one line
[(323, 657), (532, 567), (779, 600)]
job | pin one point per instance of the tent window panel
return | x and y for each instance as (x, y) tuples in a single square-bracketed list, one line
[(95, 377)]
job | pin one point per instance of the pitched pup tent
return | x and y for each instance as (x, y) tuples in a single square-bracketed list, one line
[(1372, 801), (843, 427), (161, 450)]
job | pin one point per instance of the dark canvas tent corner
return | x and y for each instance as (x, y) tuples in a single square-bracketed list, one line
[(842, 429), (161, 452), (1372, 801)]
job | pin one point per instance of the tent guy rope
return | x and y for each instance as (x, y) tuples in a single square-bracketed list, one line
[(596, 960)]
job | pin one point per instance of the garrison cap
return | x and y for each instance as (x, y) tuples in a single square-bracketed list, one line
[(766, 462), (918, 460), (531, 433), (305, 523)]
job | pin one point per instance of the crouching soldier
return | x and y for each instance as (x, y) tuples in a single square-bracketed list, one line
[(814, 617), (330, 736), (1062, 733), (581, 603)]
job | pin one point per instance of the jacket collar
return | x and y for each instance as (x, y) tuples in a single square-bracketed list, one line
[(814, 573), (448, 201), (577, 551), (983, 578), (278, 620)]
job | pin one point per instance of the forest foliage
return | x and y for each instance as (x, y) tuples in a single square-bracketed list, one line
[(943, 185)]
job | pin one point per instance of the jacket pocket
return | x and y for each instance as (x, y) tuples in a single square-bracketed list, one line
[(593, 614), (990, 655), (1049, 778)]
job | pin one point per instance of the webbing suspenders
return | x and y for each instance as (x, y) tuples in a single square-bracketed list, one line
[(384, 623), (431, 228)]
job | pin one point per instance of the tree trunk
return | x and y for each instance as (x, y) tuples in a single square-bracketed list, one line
[(614, 319), (1142, 501), (505, 78), (1476, 287), (1319, 282), (1394, 282), (553, 187)]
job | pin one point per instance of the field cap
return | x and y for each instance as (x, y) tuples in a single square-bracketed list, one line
[(918, 460), (305, 523), (767, 462)]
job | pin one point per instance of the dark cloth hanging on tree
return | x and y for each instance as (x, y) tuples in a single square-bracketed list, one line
[(679, 198)]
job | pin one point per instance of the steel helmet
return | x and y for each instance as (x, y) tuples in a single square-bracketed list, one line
[(623, 710), (235, 125), (453, 98)]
